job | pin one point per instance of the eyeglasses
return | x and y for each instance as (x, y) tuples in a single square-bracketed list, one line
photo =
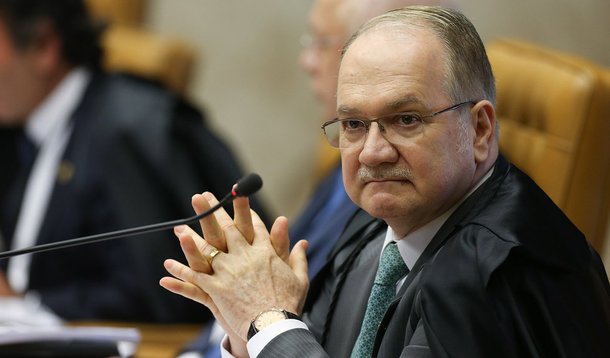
[(352, 132)]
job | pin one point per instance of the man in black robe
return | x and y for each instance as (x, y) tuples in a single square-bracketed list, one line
[(493, 267), (84, 151)]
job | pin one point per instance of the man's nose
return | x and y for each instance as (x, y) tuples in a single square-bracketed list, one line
[(308, 59), (376, 149)]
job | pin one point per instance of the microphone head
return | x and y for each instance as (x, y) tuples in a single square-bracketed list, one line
[(248, 185)]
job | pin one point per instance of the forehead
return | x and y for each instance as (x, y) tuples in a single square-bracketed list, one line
[(387, 65), (325, 17)]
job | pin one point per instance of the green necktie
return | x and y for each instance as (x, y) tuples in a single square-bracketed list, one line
[(391, 268)]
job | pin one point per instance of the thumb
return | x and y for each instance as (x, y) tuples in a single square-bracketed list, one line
[(298, 261), (279, 238)]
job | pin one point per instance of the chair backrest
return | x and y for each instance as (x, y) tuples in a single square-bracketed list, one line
[(554, 115), (119, 12), (169, 61), (132, 49)]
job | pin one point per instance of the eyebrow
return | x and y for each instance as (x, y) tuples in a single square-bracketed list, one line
[(400, 103), (343, 109), (392, 106)]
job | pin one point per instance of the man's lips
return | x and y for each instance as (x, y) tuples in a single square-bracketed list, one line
[(385, 180)]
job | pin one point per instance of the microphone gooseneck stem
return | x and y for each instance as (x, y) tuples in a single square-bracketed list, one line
[(119, 233)]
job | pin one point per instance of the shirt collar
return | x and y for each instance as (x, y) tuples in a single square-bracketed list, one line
[(55, 111), (413, 244)]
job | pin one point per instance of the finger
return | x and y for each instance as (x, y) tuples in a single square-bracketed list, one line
[(218, 228), (279, 238), (298, 264), (210, 225), (298, 261), (192, 292), (241, 233), (206, 255), (193, 246), (186, 282), (261, 235), (186, 289), (243, 217), (185, 273)]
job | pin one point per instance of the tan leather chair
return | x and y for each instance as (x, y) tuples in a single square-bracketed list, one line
[(119, 12), (139, 52), (554, 115), (132, 49)]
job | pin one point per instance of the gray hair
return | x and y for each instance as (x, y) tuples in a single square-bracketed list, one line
[(468, 69)]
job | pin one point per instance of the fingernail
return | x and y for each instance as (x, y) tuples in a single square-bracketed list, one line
[(180, 228)]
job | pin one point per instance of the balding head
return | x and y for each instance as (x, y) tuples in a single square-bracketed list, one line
[(468, 71), (364, 10)]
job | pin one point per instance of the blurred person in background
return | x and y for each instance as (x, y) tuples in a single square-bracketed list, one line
[(84, 152)]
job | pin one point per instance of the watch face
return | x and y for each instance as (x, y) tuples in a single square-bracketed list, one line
[(267, 318)]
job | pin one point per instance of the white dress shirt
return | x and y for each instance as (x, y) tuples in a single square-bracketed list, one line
[(49, 128)]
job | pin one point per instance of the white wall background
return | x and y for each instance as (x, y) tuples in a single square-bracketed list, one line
[(251, 85)]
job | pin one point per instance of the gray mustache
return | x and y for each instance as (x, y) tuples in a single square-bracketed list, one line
[(366, 174)]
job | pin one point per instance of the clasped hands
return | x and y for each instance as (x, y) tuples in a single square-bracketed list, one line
[(252, 271)]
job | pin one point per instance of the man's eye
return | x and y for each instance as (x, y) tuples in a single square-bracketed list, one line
[(352, 124), (406, 119)]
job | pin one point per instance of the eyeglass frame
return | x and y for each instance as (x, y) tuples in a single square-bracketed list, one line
[(367, 122)]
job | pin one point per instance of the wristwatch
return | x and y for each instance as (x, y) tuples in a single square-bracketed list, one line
[(268, 317)]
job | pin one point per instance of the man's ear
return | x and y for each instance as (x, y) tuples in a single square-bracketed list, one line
[(484, 123)]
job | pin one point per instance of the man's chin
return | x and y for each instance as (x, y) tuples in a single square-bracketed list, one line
[(382, 205)]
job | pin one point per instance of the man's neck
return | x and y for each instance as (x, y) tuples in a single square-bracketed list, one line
[(47, 84), (54, 111)]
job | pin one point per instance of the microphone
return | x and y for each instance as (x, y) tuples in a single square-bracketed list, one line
[(246, 186)]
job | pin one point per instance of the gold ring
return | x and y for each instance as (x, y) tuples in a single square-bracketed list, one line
[(212, 254)]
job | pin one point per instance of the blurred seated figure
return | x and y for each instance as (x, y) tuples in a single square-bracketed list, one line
[(83, 151)]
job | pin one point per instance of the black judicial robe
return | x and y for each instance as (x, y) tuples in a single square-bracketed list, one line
[(508, 275), (137, 154)]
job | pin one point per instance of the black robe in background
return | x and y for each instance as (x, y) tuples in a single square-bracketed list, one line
[(137, 154)]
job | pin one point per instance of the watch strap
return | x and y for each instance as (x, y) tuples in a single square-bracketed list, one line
[(288, 315)]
